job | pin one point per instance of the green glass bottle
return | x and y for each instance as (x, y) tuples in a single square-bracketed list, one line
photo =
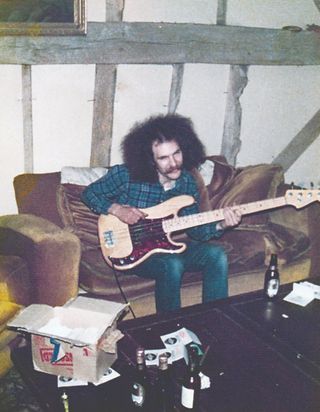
[(190, 393), (164, 386)]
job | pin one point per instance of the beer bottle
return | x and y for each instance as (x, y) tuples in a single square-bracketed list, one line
[(190, 393), (165, 386), (140, 385), (272, 279)]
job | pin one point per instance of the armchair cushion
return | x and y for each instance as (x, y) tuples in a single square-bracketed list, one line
[(7, 311), (51, 253), (36, 195), (14, 280)]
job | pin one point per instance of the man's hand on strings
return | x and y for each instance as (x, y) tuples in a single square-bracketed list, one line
[(232, 217), (126, 214)]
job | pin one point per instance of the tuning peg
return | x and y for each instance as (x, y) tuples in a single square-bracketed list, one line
[(312, 185), (292, 185)]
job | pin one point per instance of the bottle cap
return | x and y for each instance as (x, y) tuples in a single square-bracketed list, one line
[(140, 355), (274, 259)]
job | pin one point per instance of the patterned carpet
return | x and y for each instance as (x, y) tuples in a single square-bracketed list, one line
[(15, 396)]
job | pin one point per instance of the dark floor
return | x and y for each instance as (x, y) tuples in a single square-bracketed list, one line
[(14, 396)]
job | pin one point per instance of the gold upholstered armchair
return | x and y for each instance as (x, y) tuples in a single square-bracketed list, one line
[(39, 263)]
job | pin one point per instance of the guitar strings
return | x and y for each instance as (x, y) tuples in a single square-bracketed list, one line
[(153, 227), (157, 223), (148, 229)]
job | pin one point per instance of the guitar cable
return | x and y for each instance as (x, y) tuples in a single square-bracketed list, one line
[(121, 290)]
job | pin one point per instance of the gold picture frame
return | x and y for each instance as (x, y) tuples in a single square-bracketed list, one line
[(42, 17)]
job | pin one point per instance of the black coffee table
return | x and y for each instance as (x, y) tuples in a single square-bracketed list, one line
[(264, 356)]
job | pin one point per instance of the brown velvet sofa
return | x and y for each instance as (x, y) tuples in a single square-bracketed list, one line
[(288, 232)]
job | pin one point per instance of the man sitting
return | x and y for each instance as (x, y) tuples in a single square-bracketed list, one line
[(159, 155)]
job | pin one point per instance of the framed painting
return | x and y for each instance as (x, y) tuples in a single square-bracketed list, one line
[(42, 17)]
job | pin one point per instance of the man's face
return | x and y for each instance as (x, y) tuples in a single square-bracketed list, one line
[(168, 159)]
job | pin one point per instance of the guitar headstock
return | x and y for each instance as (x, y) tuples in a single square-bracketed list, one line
[(302, 197)]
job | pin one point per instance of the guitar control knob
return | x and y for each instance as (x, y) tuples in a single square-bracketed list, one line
[(132, 258), (121, 261)]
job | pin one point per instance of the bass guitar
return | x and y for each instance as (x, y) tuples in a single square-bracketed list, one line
[(125, 246)]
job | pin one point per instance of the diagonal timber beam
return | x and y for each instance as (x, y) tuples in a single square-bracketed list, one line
[(307, 135), (317, 4)]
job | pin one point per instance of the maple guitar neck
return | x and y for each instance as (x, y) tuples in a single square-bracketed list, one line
[(185, 222)]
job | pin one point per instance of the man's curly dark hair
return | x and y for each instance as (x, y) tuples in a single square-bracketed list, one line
[(137, 145)]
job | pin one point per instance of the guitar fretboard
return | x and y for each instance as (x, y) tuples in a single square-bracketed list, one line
[(198, 219)]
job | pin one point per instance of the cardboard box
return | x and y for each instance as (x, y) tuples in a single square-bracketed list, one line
[(77, 340)]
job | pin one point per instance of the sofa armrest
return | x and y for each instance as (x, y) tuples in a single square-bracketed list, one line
[(52, 255)]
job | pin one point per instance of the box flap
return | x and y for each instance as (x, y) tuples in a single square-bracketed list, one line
[(31, 318), (77, 326), (97, 305), (81, 322)]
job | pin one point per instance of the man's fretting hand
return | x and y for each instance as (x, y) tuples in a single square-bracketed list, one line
[(232, 217), (126, 214)]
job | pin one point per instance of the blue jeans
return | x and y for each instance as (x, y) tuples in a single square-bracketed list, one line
[(168, 269)]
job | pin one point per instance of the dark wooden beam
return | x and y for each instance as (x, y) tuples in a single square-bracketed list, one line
[(165, 43)]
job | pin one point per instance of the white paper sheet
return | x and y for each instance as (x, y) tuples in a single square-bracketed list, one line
[(301, 294)]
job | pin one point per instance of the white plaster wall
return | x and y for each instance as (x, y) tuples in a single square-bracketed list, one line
[(11, 135), (272, 13), (306, 171), (142, 90), (203, 99), (138, 96), (62, 115), (274, 111), (171, 11), (96, 10)]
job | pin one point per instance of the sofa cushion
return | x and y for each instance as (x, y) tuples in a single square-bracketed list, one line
[(230, 186), (249, 248), (82, 175), (97, 277), (222, 174), (76, 216)]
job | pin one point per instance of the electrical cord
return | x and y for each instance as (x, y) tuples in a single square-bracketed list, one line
[(121, 291)]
